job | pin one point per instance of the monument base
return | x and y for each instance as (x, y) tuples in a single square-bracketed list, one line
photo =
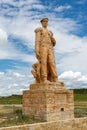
[(50, 102)]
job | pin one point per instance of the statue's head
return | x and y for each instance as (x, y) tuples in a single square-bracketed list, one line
[(44, 22), (44, 19)]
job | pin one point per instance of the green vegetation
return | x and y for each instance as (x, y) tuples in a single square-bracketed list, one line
[(80, 91), (80, 97), (80, 112), (80, 94), (14, 99)]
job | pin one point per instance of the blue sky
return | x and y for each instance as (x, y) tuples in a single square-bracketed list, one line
[(18, 20)]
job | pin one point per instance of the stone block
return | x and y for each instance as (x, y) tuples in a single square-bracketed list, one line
[(49, 102)]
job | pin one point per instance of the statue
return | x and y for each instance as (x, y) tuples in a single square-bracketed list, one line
[(44, 70), (36, 72)]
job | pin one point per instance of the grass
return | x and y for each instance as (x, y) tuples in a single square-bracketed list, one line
[(80, 97), (80, 112), (14, 99), (80, 102), (12, 115)]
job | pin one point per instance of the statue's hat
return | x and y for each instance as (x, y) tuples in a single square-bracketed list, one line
[(43, 19)]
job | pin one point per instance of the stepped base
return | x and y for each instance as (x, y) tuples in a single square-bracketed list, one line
[(50, 102)]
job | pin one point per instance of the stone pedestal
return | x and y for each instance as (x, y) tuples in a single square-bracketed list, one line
[(50, 102)]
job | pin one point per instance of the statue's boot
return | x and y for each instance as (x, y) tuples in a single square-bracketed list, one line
[(56, 81), (44, 80)]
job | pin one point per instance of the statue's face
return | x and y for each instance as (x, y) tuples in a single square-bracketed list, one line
[(44, 23)]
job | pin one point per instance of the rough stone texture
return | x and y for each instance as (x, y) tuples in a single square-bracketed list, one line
[(50, 102), (72, 124), (45, 69)]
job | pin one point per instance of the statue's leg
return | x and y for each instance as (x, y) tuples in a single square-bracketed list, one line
[(52, 65), (43, 63)]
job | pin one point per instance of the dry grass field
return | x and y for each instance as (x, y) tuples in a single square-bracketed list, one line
[(12, 115), (80, 108)]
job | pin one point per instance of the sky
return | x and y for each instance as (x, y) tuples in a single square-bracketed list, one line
[(19, 19)]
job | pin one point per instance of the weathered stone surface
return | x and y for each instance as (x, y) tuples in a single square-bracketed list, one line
[(47, 86), (49, 102), (44, 70)]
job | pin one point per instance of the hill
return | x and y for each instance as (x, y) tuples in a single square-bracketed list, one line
[(13, 99)]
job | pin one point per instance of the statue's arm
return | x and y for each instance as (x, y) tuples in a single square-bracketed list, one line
[(53, 39), (37, 42)]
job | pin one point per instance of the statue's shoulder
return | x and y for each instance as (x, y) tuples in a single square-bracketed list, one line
[(50, 32), (38, 30)]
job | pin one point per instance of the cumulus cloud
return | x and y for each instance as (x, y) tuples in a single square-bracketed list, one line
[(83, 79), (70, 49), (8, 51), (3, 37), (80, 1), (63, 8), (20, 26), (19, 19), (70, 75), (14, 82), (74, 79)]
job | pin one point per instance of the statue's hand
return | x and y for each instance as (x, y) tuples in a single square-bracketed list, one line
[(53, 41)]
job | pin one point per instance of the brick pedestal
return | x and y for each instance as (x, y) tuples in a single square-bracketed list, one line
[(50, 102)]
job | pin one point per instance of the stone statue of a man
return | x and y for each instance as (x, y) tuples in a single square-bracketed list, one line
[(44, 43)]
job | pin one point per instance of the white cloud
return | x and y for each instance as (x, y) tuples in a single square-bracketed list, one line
[(22, 2), (13, 82), (63, 8), (80, 1), (3, 36), (18, 75), (12, 86), (73, 79), (8, 51), (83, 79), (38, 6), (21, 28), (72, 49), (1, 73), (70, 75)]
